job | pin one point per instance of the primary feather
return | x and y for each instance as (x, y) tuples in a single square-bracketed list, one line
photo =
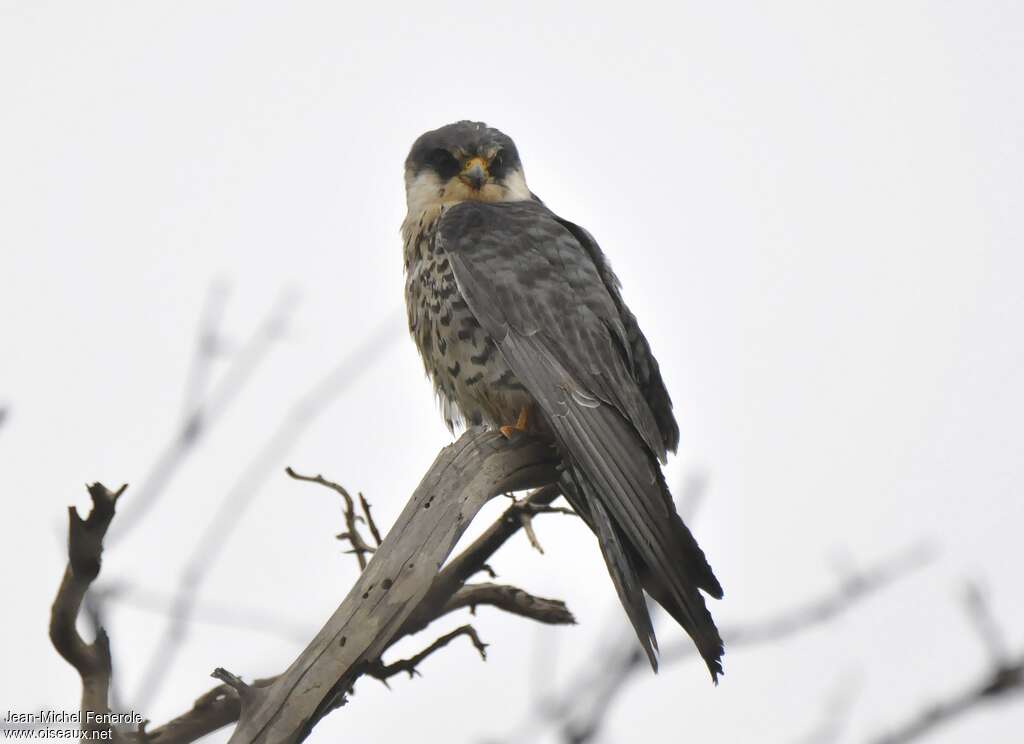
[(537, 291), (512, 306)]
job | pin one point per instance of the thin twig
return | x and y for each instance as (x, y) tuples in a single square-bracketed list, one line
[(381, 671), (359, 546), (209, 345), (369, 519), (985, 625)]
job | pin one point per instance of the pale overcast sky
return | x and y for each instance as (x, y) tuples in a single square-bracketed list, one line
[(815, 209)]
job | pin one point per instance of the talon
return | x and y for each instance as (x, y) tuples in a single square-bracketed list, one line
[(521, 424)]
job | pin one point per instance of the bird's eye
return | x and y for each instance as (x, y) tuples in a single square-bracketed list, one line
[(443, 162)]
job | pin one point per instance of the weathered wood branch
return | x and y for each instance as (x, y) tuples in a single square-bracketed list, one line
[(474, 558), (512, 600), (478, 466), (494, 465), (90, 660), (212, 710), (220, 706)]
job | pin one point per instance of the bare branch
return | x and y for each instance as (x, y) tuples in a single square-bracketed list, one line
[(381, 671), (359, 546), (526, 519), (369, 519), (474, 558), (513, 600), (85, 549), (526, 511), (465, 475), (94, 609), (482, 464), (213, 710), (985, 625), (232, 681), (209, 345), (220, 706)]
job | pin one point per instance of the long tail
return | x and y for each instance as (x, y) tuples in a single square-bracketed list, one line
[(613, 480)]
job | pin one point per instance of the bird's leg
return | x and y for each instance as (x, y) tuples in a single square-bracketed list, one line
[(521, 423)]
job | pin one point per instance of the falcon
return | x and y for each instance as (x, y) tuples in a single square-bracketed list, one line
[(521, 325)]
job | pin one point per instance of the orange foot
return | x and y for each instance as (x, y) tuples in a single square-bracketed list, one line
[(520, 425)]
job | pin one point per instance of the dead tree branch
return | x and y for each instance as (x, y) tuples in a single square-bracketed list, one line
[(465, 475), (85, 549), (368, 515), (402, 577), (221, 706), (212, 710), (474, 558), (381, 671), (512, 600)]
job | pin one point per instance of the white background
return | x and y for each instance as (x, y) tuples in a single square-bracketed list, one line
[(815, 211)]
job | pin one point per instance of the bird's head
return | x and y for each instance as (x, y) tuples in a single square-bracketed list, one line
[(463, 161)]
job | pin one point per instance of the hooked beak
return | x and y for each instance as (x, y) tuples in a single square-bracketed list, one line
[(474, 174)]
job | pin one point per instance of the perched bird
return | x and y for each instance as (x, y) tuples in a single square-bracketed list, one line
[(521, 325)]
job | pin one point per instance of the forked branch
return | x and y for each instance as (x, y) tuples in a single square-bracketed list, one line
[(90, 660)]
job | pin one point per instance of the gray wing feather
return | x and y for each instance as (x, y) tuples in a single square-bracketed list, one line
[(645, 368), (620, 559), (540, 296), (533, 276)]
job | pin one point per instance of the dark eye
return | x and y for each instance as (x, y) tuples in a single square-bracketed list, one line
[(444, 163)]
